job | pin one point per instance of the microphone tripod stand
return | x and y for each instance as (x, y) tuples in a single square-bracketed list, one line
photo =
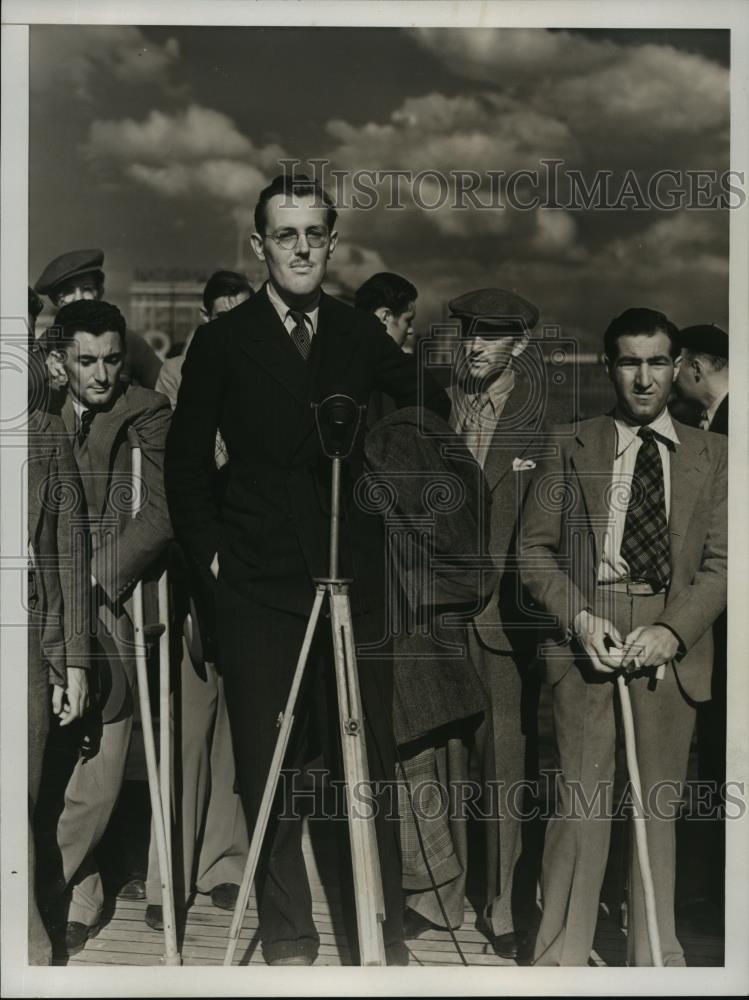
[(338, 418)]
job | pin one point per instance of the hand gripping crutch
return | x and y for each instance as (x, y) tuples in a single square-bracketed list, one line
[(157, 784), (641, 837)]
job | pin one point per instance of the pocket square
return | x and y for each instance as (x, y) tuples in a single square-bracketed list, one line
[(521, 464)]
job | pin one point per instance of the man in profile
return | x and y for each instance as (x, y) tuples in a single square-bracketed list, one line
[(253, 374), (703, 381), (392, 299)]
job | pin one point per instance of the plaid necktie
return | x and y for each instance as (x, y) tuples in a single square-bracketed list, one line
[(300, 334), (87, 418), (645, 539)]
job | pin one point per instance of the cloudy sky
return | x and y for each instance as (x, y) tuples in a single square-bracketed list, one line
[(153, 144)]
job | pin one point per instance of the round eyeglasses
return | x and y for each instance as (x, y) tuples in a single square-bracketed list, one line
[(316, 237)]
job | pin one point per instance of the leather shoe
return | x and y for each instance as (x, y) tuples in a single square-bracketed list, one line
[(414, 925), (134, 889), (292, 960), (512, 946), (155, 917), (224, 895), (75, 937)]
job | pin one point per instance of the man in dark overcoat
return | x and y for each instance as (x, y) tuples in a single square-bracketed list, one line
[(252, 374)]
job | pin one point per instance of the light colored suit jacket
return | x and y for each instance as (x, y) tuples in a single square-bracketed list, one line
[(563, 524), (520, 441), (58, 585), (125, 549)]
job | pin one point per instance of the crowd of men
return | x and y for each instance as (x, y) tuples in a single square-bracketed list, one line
[(580, 549)]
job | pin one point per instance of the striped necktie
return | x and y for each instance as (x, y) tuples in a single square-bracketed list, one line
[(87, 418), (300, 334), (645, 538)]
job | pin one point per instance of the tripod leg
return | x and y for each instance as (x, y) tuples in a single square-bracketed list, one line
[(271, 783), (365, 860)]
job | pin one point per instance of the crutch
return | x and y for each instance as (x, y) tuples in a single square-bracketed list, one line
[(165, 733), (641, 837), (171, 955)]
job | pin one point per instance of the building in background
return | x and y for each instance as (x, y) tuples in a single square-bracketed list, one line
[(166, 301)]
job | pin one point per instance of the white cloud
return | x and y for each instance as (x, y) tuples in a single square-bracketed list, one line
[(351, 265), (197, 151), (486, 131), (68, 58), (627, 93), (679, 244), (556, 233), (189, 135)]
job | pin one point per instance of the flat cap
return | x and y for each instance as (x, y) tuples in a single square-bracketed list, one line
[(66, 266), (705, 339), (501, 308)]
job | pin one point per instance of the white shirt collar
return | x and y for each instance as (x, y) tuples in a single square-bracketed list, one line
[(713, 408), (283, 310), (627, 433), (78, 406)]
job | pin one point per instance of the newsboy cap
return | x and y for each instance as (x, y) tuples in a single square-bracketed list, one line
[(68, 265), (501, 308), (705, 339)]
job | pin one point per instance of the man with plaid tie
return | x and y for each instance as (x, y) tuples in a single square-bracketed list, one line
[(253, 374), (623, 546)]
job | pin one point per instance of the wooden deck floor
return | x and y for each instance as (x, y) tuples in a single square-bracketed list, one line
[(125, 939)]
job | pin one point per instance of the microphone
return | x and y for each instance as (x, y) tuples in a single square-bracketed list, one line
[(337, 417)]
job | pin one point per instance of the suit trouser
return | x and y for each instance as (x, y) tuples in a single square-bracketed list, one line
[(577, 837), (212, 842), (40, 949), (92, 786), (258, 651), (499, 744)]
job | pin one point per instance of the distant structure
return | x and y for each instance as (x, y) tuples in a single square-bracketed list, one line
[(167, 300)]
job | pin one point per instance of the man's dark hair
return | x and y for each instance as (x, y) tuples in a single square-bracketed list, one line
[(636, 321), (223, 283), (85, 316), (385, 289), (292, 184)]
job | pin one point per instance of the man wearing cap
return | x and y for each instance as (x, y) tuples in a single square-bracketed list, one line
[(703, 379), (78, 275), (703, 376), (102, 415), (622, 545), (498, 394)]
